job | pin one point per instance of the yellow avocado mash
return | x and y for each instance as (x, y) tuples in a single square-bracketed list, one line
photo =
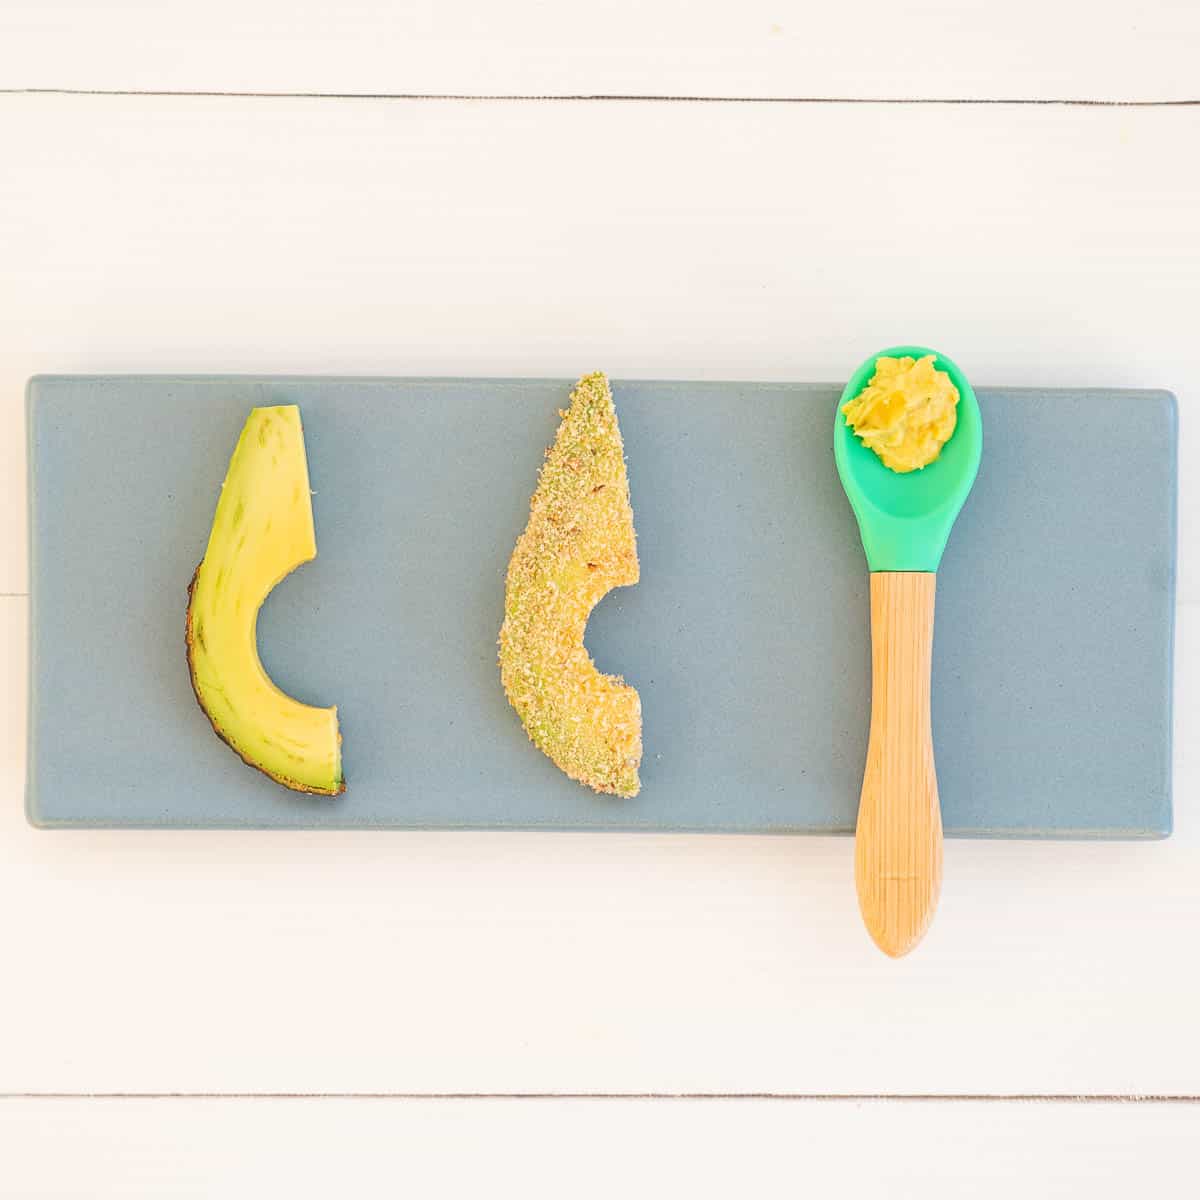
[(906, 414)]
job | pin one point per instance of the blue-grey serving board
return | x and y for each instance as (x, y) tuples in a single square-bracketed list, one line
[(747, 636)]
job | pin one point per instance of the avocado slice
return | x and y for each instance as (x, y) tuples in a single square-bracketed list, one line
[(579, 544), (262, 531)]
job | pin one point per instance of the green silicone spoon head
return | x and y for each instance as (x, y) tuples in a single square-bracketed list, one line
[(905, 519)]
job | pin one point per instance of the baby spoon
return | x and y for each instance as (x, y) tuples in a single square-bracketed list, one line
[(904, 520)]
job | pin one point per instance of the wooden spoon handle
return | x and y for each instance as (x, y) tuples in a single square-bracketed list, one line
[(898, 847)]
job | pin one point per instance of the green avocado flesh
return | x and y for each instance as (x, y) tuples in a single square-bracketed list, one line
[(262, 531)]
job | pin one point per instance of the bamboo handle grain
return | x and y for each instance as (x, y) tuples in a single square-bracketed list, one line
[(898, 846)]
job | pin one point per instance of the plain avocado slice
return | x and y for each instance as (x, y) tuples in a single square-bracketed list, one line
[(262, 531), (579, 545)]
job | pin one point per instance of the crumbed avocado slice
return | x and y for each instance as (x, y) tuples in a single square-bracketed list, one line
[(262, 530), (578, 545)]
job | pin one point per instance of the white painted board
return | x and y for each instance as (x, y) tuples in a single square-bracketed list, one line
[(654, 240), (593, 1149), (955, 49)]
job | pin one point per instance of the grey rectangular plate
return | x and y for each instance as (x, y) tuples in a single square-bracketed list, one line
[(747, 636)]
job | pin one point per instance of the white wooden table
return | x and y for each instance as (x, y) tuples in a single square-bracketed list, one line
[(261, 185)]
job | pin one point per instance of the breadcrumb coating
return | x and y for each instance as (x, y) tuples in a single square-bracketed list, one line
[(578, 545)]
